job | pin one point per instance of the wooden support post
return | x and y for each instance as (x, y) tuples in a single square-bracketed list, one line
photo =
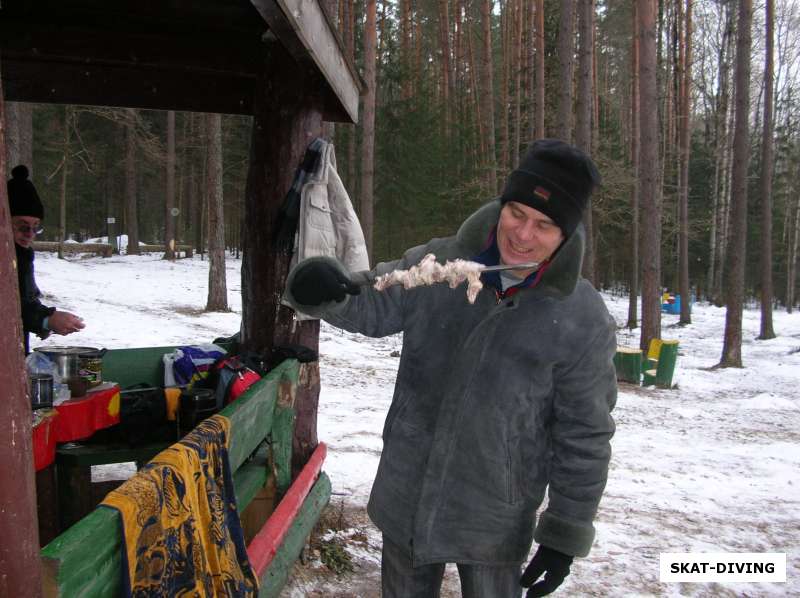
[(20, 569), (288, 116)]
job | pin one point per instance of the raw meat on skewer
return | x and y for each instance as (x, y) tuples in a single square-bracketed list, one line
[(429, 271)]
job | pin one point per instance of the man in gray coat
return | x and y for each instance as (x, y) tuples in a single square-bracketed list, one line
[(495, 402)]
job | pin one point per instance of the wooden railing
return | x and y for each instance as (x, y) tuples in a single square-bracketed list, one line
[(86, 560)]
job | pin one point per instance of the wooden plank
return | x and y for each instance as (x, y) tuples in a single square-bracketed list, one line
[(266, 543), (128, 86), (276, 574), (84, 555), (139, 365), (251, 477), (127, 367), (281, 435), (304, 29), (251, 417)]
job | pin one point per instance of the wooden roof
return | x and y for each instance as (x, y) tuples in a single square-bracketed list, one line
[(196, 55)]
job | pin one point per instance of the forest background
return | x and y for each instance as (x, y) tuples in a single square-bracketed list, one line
[(695, 129)]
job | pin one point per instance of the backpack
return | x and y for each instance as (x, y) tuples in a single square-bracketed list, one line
[(229, 378)]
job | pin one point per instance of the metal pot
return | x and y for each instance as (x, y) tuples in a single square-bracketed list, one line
[(66, 359), (68, 365)]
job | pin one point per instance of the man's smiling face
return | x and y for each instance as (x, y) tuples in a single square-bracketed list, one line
[(524, 234)]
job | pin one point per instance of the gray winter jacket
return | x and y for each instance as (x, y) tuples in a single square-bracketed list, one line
[(493, 402)]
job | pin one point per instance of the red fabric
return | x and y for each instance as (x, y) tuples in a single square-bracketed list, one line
[(44, 441), (80, 418)]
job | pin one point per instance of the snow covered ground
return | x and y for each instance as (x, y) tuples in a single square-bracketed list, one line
[(711, 466)]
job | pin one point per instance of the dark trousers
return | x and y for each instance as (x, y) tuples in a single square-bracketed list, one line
[(400, 580)]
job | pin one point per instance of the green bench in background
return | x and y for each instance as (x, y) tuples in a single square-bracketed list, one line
[(660, 366)]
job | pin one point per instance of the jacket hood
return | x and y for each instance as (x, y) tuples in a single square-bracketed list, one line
[(564, 270)]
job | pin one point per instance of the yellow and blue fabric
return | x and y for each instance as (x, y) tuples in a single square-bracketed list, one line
[(193, 363), (180, 524)]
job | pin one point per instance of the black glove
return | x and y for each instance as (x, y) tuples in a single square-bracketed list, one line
[(554, 565), (316, 283)]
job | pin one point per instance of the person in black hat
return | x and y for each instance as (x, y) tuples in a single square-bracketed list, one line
[(27, 213), (497, 402)]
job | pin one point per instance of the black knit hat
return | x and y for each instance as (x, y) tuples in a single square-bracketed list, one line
[(22, 197), (555, 178)]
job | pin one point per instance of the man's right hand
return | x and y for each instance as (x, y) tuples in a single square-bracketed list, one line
[(316, 283), (63, 322)]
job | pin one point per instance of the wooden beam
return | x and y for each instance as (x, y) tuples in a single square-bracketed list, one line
[(128, 86), (304, 28), (20, 569), (228, 51)]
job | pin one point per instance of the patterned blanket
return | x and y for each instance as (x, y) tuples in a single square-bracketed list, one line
[(180, 524)]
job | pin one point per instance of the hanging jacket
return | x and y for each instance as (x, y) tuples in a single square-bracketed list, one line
[(328, 225), (494, 404)]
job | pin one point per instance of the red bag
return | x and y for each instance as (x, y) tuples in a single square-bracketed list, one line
[(232, 379)]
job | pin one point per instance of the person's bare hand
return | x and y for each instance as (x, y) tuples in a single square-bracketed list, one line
[(63, 322)]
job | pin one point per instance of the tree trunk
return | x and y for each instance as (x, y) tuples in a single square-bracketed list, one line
[(684, 145), (540, 74), (516, 143), (502, 161), (721, 143), (566, 66), (368, 134), (406, 33), (348, 27), (170, 216), (583, 121), (444, 49), (767, 167), (131, 218), (791, 250), (633, 287), (487, 97), (217, 287), (735, 258), (648, 175), (62, 195), (19, 135)]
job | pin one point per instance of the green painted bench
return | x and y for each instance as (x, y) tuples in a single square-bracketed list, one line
[(86, 560), (126, 367), (661, 368)]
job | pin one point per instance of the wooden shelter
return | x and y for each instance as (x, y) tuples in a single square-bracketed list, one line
[(278, 60)]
